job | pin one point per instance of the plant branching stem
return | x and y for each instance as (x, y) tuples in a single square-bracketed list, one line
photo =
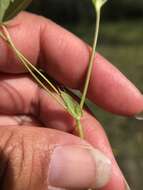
[(31, 67), (91, 61), (28, 62)]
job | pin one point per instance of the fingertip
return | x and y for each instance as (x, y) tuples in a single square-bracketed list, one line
[(79, 167), (111, 90), (95, 135)]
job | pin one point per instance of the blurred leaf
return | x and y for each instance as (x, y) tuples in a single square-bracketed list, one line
[(15, 8), (4, 4)]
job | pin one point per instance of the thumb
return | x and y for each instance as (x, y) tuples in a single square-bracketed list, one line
[(38, 158)]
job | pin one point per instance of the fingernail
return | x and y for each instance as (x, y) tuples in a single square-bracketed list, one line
[(55, 188), (127, 186), (139, 116), (78, 167)]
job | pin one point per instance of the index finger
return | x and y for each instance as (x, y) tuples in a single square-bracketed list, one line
[(65, 57)]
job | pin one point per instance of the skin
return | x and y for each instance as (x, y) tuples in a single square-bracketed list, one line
[(64, 57)]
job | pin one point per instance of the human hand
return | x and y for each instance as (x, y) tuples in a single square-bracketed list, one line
[(36, 153)]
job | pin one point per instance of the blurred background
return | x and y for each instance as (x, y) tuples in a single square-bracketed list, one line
[(120, 41)]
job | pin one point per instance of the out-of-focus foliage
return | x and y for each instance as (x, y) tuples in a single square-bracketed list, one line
[(4, 4), (82, 10), (15, 7), (9, 8)]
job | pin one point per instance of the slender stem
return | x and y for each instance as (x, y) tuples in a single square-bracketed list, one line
[(91, 61), (28, 62), (30, 67), (41, 84), (80, 129), (38, 72), (23, 60), (34, 68), (2, 36)]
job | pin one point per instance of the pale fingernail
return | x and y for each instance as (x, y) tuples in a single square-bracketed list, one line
[(78, 167), (127, 186), (55, 188), (139, 116)]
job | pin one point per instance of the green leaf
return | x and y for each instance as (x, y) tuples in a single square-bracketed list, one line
[(4, 4), (15, 8), (72, 106)]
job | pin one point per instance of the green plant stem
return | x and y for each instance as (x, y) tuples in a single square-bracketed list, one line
[(91, 61), (2, 36), (75, 112), (28, 62), (30, 67), (80, 129)]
